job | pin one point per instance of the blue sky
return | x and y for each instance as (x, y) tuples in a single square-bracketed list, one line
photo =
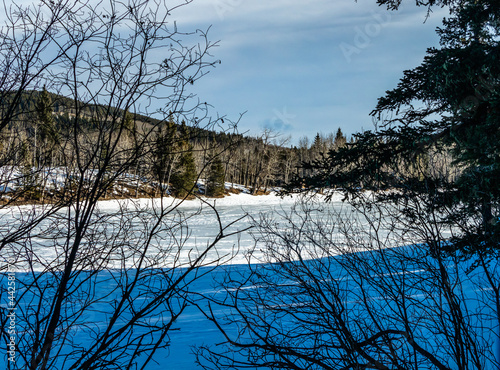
[(309, 66)]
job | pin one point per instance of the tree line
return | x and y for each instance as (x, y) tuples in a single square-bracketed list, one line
[(179, 154)]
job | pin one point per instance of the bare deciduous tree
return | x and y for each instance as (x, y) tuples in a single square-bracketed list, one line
[(357, 290), (96, 288)]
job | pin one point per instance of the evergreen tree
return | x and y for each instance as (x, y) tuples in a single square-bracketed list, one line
[(46, 135), (215, 180), (164, 153), (457, 87), (184, 180), (44, 111), (185, 175), (340, 140), (318, 142), (317, 147)]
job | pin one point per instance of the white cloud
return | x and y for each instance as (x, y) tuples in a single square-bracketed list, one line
[(286, 53)]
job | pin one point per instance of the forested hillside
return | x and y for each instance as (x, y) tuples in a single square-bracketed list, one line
[(176, 153)]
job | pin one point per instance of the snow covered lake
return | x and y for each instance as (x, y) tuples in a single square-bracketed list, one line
[(184, 233), (182, 238)]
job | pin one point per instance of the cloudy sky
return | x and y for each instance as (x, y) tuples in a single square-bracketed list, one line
[(303, 67)]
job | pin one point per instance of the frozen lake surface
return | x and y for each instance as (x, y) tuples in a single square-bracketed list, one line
[(185, 230), (179, 240)]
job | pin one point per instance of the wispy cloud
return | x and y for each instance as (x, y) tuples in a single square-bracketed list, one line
[(288, 54)]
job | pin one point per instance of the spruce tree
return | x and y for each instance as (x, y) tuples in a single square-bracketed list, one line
[(449, 105), (215, 180), (185, 175), (44, 111), (340, 140), (47, 136)]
